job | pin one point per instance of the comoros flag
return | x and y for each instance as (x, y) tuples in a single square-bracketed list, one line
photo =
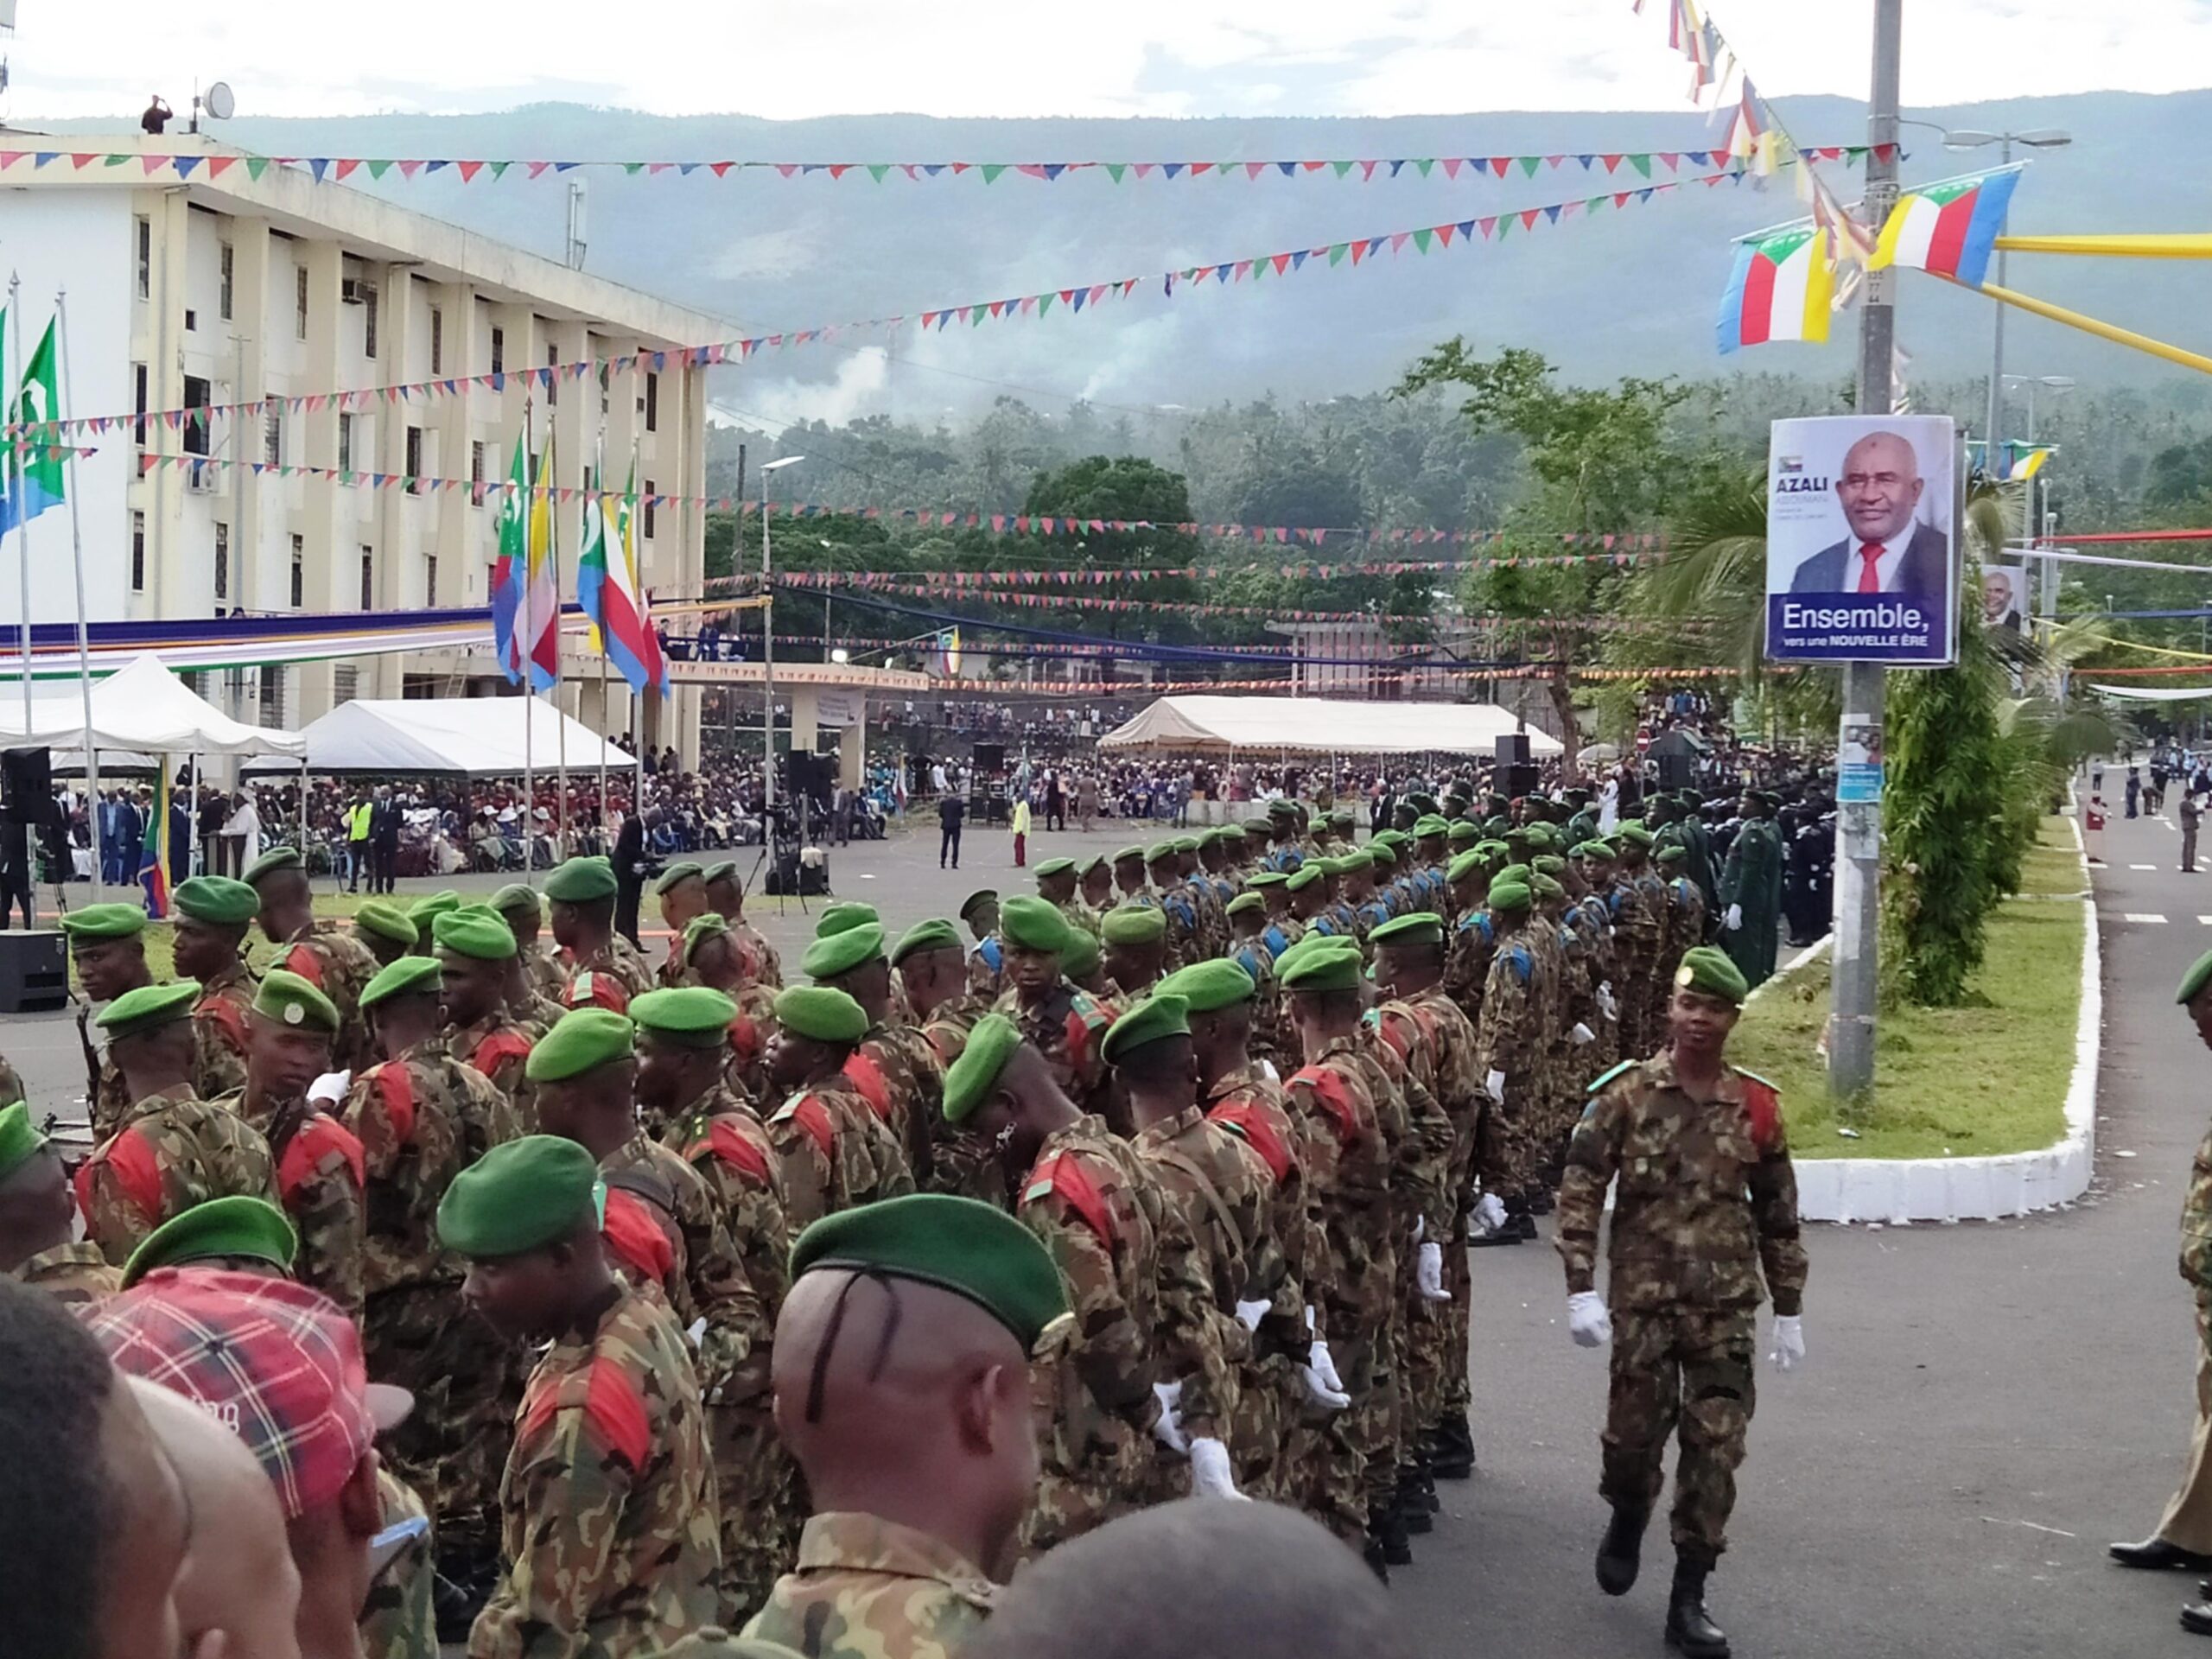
[(1780, 290), (1947, 229)]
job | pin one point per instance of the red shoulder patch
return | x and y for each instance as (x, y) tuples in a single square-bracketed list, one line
[(635, 1236), (307, 962), (616, 1411), (728, 1141), (223, 1013), (865, 1075), (1249, 1124), (320, 1136), (1765, 1106), (396, 1087), (498, 1049), (1328, 1088), (1064, 1176), (813, 1117), (1078, 1039), (136, 1171), (1392, 1025)]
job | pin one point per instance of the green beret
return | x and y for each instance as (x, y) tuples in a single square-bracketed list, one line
[(1430, 824), (1260, 827), (691, 1016), (409, 974), (971, 1076), (844, 916), (1267, 879), (1323, 970), (238, 1226), (974, 1250), (933, 935), (1184, 843), (1473, 862), (1381, 855), (1033, 923), (1229, 832), (1128, 854), (1207, 986), (147, 1007), (1545, 886), (1423, 802), (1708, 969), (471, 931), (707, 924), (1212, 838), (581, 881), (1079, 955), (424, 912), (522, 1195), (1595, 848), (1548, 864), (1157, 1017), (1415, 927), (1244, 901), (1307, 875), (516, 895), (1095, 862), (1521, 873), (1054, 866), (2193, 980), (678, 873), (980, 896), (1281, 808), (1463, 831), (1672, 852), (832, 954), (20, 1141), (1159, 852), (291, 1001), (97, 923), (1494, 848), (1510, 896), (725, 871), (1341, 817), (276, 859), (582, 1039), (1635, 834), (821, 1012), (387, 922), (217, 898), (1133, 924)]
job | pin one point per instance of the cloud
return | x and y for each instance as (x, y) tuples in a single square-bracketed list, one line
[(783, 252), (856, 389)]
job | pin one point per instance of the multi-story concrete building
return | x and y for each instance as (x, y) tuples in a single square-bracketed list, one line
[(224, 287)]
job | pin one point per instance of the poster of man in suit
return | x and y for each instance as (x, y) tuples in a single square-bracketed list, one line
[(1862, 555)]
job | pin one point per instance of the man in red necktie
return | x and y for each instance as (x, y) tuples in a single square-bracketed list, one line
[(1887, 552)]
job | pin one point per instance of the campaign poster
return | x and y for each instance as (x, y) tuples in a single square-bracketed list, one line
[(1862, 551), (2004, 597)]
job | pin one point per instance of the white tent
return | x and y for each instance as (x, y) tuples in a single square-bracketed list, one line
[(476, 737), (1262, 726), (2156, 693), (143, 710)]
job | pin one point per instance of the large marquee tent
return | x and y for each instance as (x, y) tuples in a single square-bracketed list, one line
[(1261, 726), (467, 737)]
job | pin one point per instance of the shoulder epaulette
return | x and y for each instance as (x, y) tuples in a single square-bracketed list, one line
[(1755, 1077), (1626, 1066)]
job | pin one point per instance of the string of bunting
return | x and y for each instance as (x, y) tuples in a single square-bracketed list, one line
[(341, 168), (1459, 234), (1270, 683)]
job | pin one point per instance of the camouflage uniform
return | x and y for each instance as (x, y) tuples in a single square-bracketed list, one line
[(422, 1118), (77, 1275), (216, 1071), (327, 955), (834, 1153), (1213, 918), (1707, 1206), (1509, 1038), (1548, 1126), (1685, 916), (1592, 920), (1186, 940), (704, 1281), (1271, 1039), (607, 1506), (398, 1620), (171, 1153), (619, 962), (542, 973), (897, 1073), (868, 1588), (962, 1162), (1466, 960), (1066, 1028), (1089, 1201), (750, 1034), (224, 1002), (498, 1049), (987, 962), (321, 1173), (757, 958)]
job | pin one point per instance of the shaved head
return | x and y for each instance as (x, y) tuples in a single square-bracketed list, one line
[(1879, 487)]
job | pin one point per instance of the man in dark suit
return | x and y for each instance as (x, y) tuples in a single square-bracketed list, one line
[(1887, 553), (384, 840)]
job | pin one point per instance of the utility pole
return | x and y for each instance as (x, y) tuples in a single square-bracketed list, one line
[(1858, 824)]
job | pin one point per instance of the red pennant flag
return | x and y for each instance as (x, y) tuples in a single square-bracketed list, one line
[(469, 169), (1486, 225), (1529, 216), (838, 169), (1280, 261), (409, 169), (346, 166)]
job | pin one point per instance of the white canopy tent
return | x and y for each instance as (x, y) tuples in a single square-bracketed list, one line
[(1266, 725), (472, 737), (140, 710), (2156, 693)]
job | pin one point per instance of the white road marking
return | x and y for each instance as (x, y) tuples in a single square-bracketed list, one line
[(2142, 867), (2138, 916)]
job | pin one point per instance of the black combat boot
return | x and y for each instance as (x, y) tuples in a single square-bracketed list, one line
[(1371, 1552), (1620, 1553), (1516, 1217), (1690, 1629), (1412, 1505), (1386, 1525), (1451, 1448)]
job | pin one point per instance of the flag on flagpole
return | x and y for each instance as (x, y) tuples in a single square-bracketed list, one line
[(632, 644), (591, 569), (543, 647), (507, 571), (154, 850), (1949, 229), (2026, 459), (1780, 289), (38, 483)]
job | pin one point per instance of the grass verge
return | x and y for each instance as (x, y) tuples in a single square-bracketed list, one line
[(1986, 1078)]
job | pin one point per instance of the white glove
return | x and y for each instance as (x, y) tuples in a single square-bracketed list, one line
[(331, 1087), (1789, 1343), (1606, 1006), (1428, 1273), (1582, 1034), (1734, 918), (1489, 1211), (1210, 1476), (1167, 1429), (1250, 1313), (1321, 1379), (1587, 1321), (1494, 1086)]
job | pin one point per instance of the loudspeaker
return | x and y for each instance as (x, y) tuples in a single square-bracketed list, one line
[(1513, 751), (1677, 772), (26, 781), (988, 758), (1515, 781), (34, 972)]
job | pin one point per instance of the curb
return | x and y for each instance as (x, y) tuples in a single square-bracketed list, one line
[(1901, 1190)]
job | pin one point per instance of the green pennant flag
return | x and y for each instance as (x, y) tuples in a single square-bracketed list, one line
[(877, 169), (1420, 239), (114, 160), (1336, 251), (1427, 164), (991, 171), (1115, 169), (378, 169), (256, 166), (1341, 167), (1642, 164), (1504, 224), (1528, 164), (976, 316), (1045, 302), (498, 168)]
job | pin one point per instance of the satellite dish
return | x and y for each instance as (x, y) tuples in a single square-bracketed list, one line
[(218, 101)]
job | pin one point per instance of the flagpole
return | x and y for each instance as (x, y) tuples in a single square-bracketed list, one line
[(14, 495), (597, 503), (529, 646), (77, 565), (629, 523), (560, 715)]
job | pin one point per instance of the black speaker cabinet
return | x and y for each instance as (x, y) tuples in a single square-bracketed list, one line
[(34, 972), (1513, 749), (27, 783)]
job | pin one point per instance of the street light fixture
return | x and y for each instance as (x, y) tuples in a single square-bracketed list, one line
[(768, 661)]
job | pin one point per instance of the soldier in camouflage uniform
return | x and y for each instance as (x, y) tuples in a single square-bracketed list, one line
[(1247, 949), (213, 915), (1095, 884), (1216, 848), (1638, 927), (833, 1152), (986, 963), (1137, 948), (475, 948), (169, 1150), (422, 1118), (108, 951), (932, 972), (1086, 1196), (1085, 970), (38, 1217), (757, 958), (714, 958), (1128, 879), (682, 1035), (1193, 881), (320, 1168), (520, 908), (607, 1507), (1511, 1038), (681, 890), (1589, 873), (1308, 892), (1063, 1024), (894, 1068), (909, 1323), (323, 953), (1685, 911), (384, 932), (1473, 938), (583, 891), (1705, 1210), (1185, 926)]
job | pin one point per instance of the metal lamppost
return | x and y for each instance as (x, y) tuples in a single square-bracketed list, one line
[(1971, 138), (768, 660)]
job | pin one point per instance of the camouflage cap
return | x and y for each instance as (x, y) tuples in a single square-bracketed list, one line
[(1159, 1017), (520, 1196), (148, 1007), (388, 922), (1708, 970), (235, 1226), (581, 1040), (973, 1076), (410, 976), (1133, 924), (832, 954), (821, 1014), (690, 1016), (287, 999), (216, 899), (96, 924)]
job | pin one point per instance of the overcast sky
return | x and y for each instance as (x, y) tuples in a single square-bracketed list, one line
[(798, 58)]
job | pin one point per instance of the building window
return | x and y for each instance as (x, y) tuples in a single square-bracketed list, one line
[(430, 579), (651, 489), (228, 292), (222, 561), (272, 438), (299, 571), (138, 391), (137, 552), (437, 340), (499, 350), (191, 321), (414, 468), (272, 697), (145, 227), (345, 683), (552, 381), (198, 394), (300, 301), (345, 443), (369, 323), (476, 466), (368, 578), (653, 403)]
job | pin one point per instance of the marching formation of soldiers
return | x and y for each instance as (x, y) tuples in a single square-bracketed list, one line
[(1207, 1130)]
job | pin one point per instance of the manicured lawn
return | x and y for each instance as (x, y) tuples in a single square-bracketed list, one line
[(1988, 1078)]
